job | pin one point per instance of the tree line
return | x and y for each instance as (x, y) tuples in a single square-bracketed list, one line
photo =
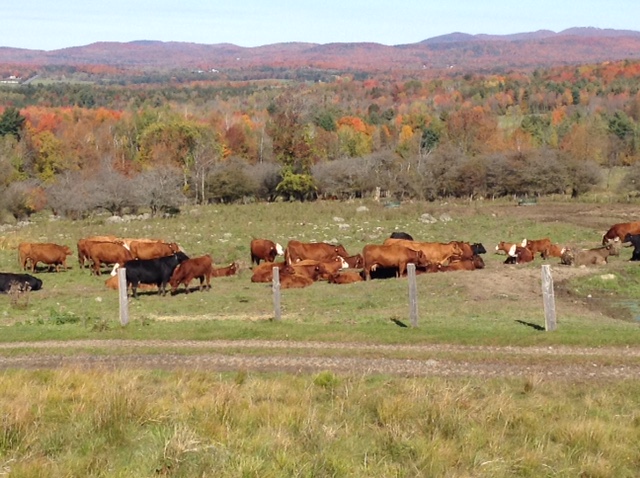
[(81, 148)]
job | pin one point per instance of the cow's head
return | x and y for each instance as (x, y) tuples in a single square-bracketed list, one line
[(279, 249)]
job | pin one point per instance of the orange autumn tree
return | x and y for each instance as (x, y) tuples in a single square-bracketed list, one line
[(354, 136)]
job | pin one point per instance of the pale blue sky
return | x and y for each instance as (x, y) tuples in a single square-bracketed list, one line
[(54, 24)]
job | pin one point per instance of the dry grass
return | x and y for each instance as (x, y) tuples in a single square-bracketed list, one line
[(72, 422)]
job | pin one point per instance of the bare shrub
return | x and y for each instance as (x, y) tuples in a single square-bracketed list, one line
[(19, 294), (159, 189)]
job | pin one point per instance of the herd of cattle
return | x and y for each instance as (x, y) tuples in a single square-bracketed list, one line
[(305, 263), (157, 263)]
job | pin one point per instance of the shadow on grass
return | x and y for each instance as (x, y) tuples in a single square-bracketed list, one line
[(529, 324)]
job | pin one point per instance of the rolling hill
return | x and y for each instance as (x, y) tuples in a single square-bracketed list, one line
[(454, 51)]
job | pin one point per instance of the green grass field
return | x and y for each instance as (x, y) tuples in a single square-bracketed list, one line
[(97, 421)]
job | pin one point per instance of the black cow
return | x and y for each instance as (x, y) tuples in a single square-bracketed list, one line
[(24, 281), (634, 239), (152, 271), (401, 235), (478, 248)]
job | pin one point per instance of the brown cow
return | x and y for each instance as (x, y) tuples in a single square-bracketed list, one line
[(618, 232), (107, 253), (47, 253), (112, 283), (462, 264), (318, 251), (504, 247), (355, 262), (347, 277), (554, 250), (392, 255), (537, 245), (434, 252), (320, 270), (264, 250), (519, 255), (264, 272), (294, 281), (23, 254), (598, 256), (229, 270), (196, 267), (308, 268), (152, 250), (82, 245)]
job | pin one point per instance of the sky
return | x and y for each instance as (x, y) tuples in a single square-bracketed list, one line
[(55, 24)]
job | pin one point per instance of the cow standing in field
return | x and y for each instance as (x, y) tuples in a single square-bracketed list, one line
[(192, 268), (47, 253), (107, 253), (391, 256), (318, 251), (152, 249), (618, 232), (152, 271), (84, 245), (537, 246), (434, 252), (264, 250)]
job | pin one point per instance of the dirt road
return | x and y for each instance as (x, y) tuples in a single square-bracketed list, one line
[(309, 357)]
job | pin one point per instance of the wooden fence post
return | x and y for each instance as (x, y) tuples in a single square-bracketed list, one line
[(413, 295), (122, 294), (276, 292), (548, 299)]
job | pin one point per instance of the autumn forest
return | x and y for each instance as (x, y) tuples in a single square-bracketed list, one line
[(77, 147)]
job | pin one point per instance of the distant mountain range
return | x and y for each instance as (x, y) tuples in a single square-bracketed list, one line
[(458, 51)]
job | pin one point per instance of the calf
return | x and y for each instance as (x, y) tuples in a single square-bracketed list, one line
[(264, 272), (23, 282), (294, 281), (537, 245), (229, 270), (347, 277), (152, 271), (554, 250), (504, 247), (196, 267), (264, 250), (519, 255)]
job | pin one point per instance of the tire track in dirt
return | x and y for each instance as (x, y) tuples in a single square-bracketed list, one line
[(496, 367)]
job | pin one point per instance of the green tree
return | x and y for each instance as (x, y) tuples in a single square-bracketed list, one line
[(296, 186), (11, 122)]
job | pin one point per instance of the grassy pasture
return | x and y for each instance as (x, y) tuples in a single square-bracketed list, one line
[(190, 422), (487, 306)]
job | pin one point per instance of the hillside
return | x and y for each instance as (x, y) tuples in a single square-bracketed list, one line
[(456, 51)]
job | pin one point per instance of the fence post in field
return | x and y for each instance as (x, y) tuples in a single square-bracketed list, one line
[(548, 299), (122, 294), (276, 292), (413, 295)]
